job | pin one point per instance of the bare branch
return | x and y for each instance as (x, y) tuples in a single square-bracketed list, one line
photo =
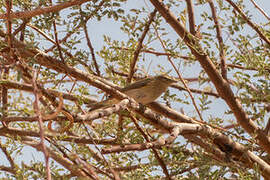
[(191, 17), (57, 157), (45, 10), (29, 88), (180, 77), (260, 9), (56, 38), (156, 153), (100, 5), (221, 85), (220, 41), (8, 155), (139, 46), (80, 140), (90, 46), (41, 126), (157, 53)]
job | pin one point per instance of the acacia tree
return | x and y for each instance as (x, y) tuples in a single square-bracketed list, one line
[(212, 123)]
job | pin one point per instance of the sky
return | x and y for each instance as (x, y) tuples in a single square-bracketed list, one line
[(97, 29), (110, 28)]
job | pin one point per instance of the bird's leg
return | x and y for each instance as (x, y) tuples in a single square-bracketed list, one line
[(142, 107)]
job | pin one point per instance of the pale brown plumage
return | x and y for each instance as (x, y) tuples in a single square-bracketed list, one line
[(143, 91)]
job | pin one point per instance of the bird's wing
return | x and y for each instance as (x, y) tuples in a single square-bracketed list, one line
[(103, 104), (136, 85)]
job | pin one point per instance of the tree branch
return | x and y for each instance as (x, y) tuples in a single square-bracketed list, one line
[(221, 85), (220, 41), (249, 22), (45, 10), (191, 17), (140, 46)]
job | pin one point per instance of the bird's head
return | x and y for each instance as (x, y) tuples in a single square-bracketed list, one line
[(165, 80)]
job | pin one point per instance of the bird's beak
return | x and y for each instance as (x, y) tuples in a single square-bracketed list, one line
[(166, 73)]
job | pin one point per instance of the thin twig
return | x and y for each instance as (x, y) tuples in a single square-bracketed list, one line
[(41, 126), (56, 37), (157, 53), (99, 6), (220, 41), (9, 28), (221, 85), (260, 9), (9, 25), (8, 155), (176, 86), (161, 162), (180, 77), (197, 91), (10, 57), (243, 68), (186, 58), (21, 27), (114, 172), (5, 97), (139, 46), (56, 156), (42, 33), (89, 44), (249, 22)]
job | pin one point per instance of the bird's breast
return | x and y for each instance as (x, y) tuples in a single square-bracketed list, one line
[(146, 95)]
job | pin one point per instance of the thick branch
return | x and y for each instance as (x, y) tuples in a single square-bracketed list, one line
[(29, 88), (22, 133), (221, 85), (45, 10), (220, 41), (191, 17), (57, 157)]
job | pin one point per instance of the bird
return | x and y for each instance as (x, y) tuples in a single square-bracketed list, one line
[(143, 91)]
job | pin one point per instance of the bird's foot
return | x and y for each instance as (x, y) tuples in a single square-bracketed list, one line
[(142, 107)]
